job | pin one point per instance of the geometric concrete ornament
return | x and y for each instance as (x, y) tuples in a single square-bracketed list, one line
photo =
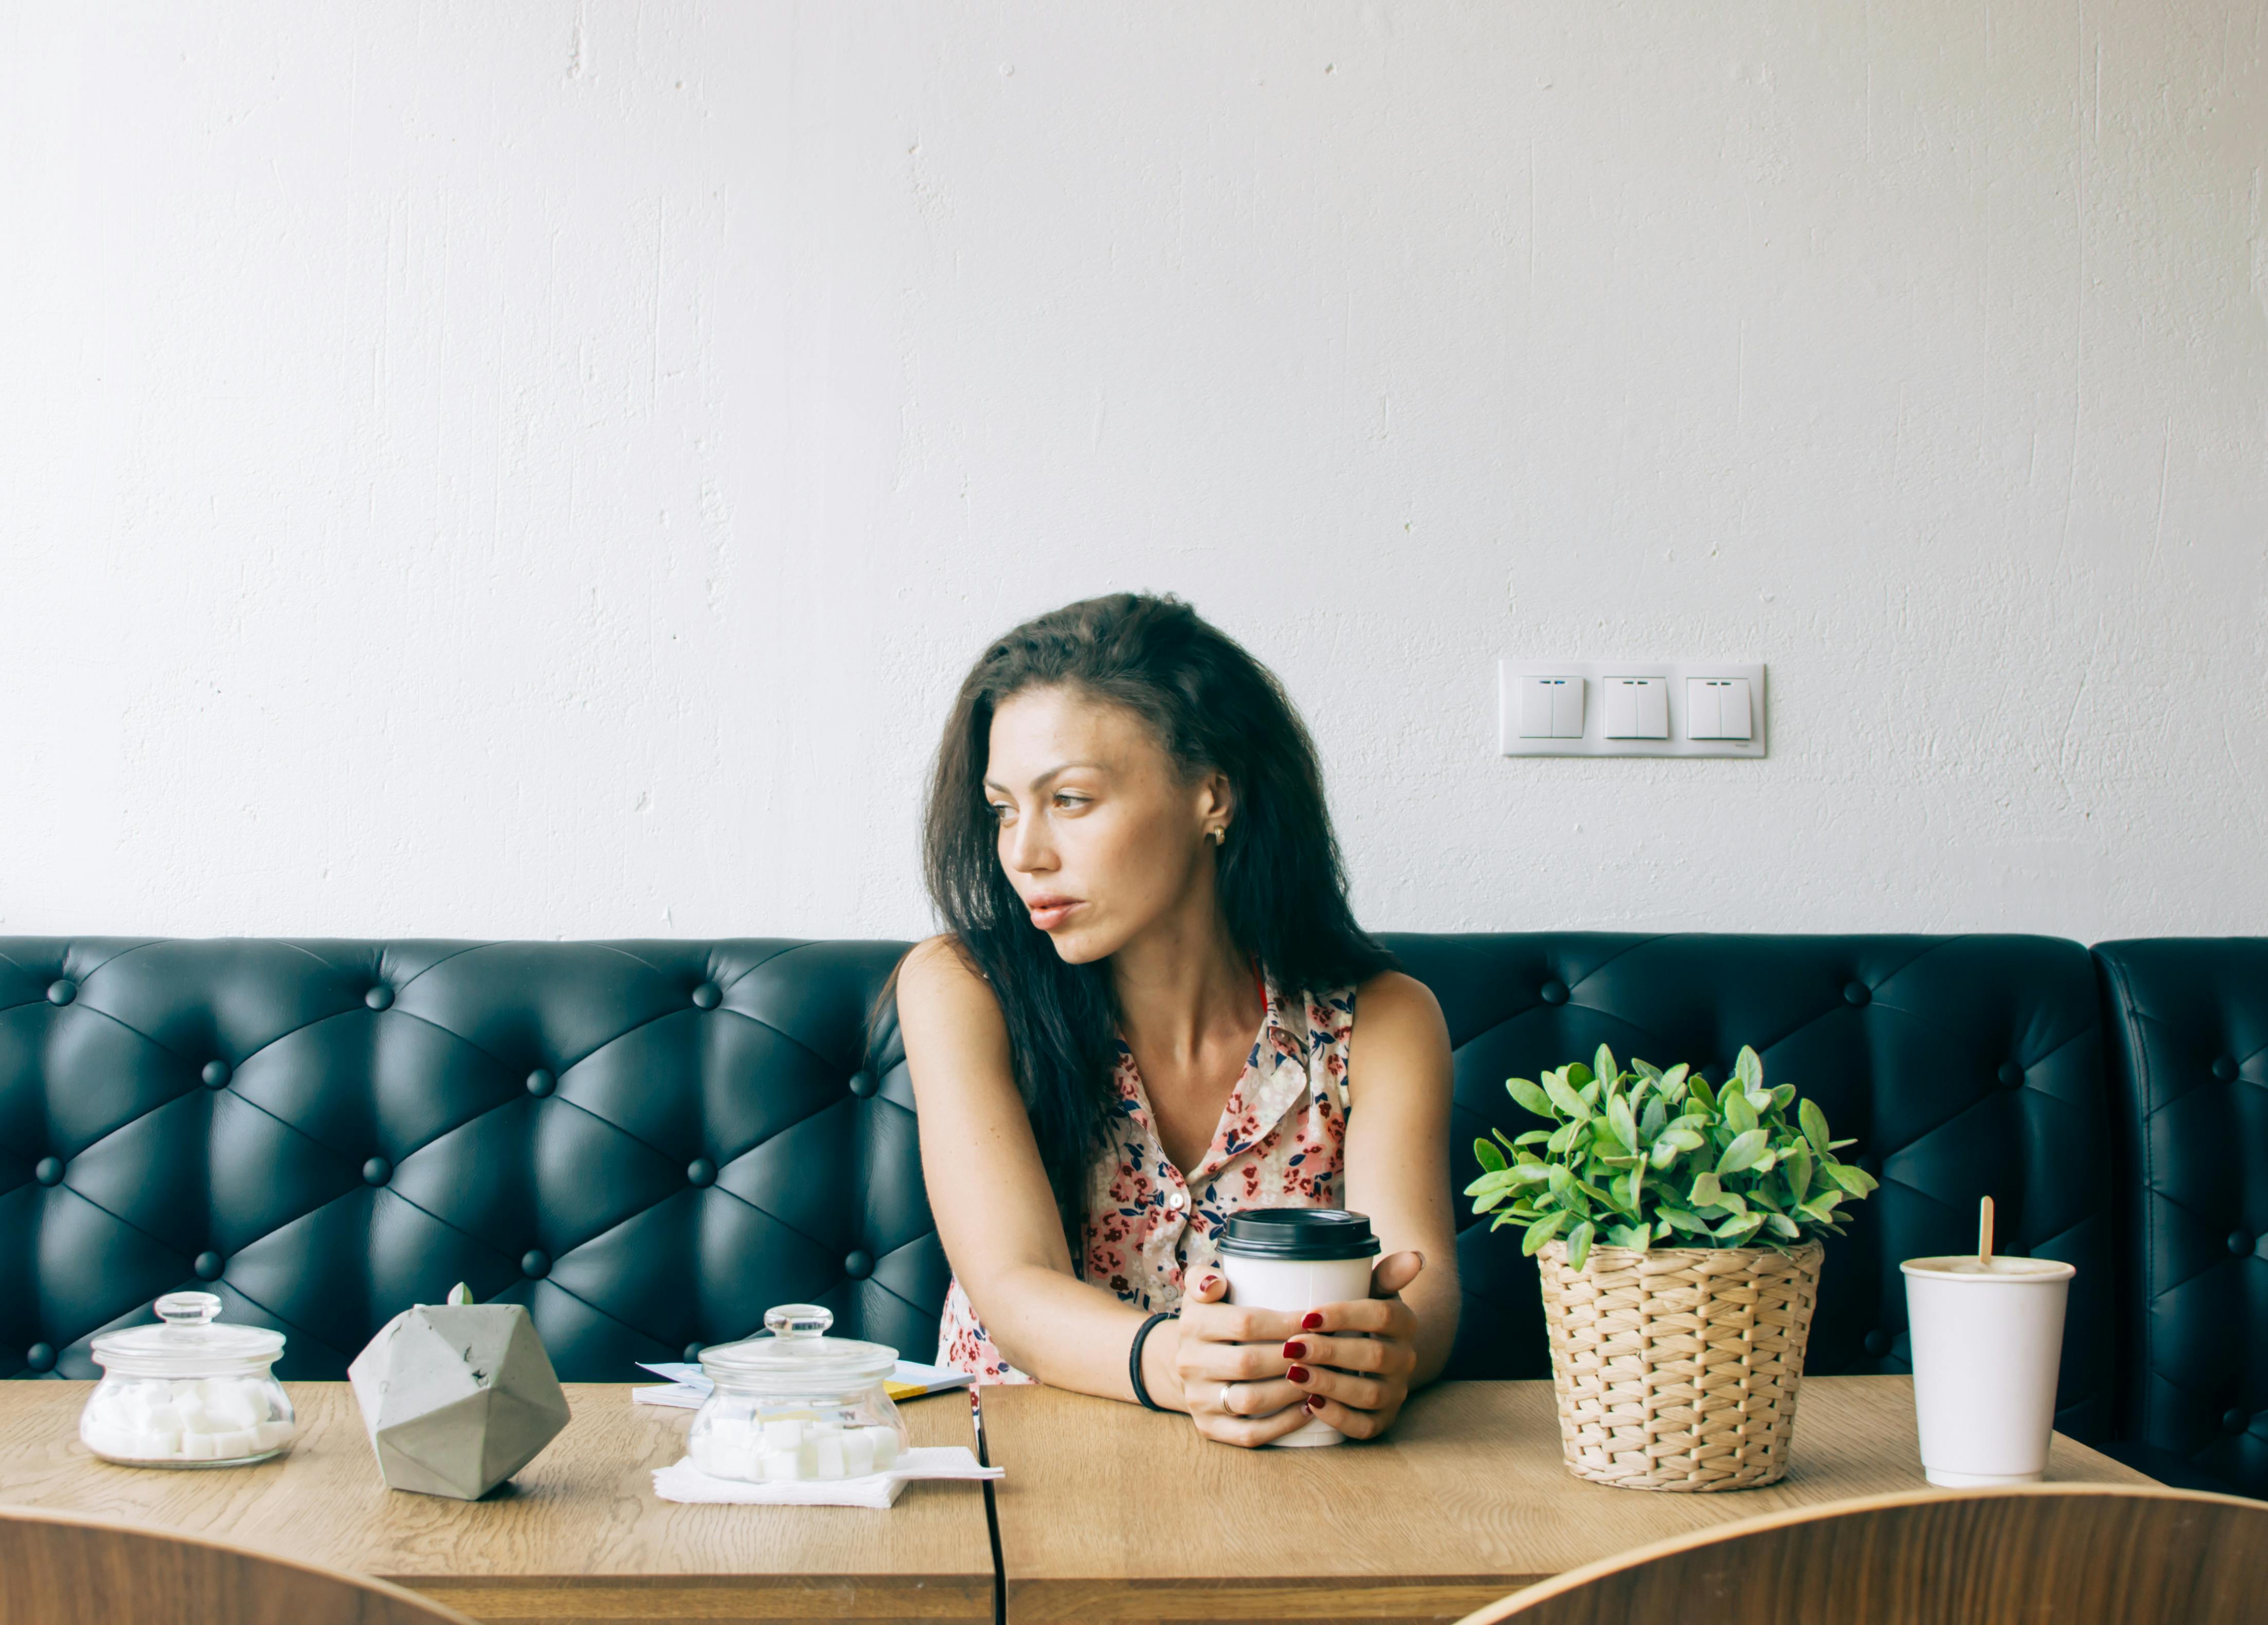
[(456, 1396)]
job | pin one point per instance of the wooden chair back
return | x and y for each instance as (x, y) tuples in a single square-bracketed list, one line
[(56, 1569), (2046, 1555)]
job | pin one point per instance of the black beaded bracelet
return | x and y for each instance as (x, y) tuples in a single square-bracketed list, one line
[(1134, 1356)]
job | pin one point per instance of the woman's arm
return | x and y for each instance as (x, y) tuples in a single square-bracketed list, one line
[(997, 1219), (1397, 1171)]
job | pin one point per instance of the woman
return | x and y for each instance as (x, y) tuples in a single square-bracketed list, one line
[(1127, 840)]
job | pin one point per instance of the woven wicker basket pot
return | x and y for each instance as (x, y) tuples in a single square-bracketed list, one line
[(1676, 1369)]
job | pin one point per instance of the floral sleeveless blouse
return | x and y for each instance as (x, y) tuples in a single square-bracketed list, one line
[(1279, 1143)]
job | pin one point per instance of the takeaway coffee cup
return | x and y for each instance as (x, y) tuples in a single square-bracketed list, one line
[(1987, 1340), (1296, 1259)]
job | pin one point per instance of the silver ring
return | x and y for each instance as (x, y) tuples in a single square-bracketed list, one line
[(1228, 1388)]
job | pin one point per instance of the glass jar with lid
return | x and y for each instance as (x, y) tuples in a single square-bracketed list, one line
[(798, 1404), (187, 1392)]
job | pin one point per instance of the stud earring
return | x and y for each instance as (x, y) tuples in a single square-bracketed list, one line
[(1220, 835)]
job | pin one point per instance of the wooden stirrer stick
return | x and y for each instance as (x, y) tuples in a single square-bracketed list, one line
[(1984, 1232)]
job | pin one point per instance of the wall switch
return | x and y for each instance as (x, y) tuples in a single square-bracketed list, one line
[(1716, 707), (1642, 708), (1550, 708), (1637, 708)]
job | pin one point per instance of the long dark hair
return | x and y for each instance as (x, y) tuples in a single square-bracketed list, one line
[(1281, 883)]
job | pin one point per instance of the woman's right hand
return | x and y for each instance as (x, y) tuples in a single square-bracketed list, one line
[(1230, 1363)]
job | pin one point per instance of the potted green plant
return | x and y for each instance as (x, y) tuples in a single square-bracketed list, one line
[(1676, 1228)]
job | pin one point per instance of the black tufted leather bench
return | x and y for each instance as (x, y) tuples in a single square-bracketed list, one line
[(2188, 1025), (650, 1142)]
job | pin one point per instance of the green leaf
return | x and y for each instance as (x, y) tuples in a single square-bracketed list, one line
[(1739, 1230), (1683, 1139), (1486, 1200), (1528, 1095), (1529, 1172), (1742, 1153), (1662, 1155), (1821, 1207), (1540, 1232), (1673, 1083), (1781, 1094), (1797, 1168), (1496, 1179), (1619, 1119), (1783, 1225), (1579, 1245), (1575, 1075), (1815, 1127), (1749, 1070), (1637, 1238), (1560, 1138), (1691, 1224), (1533, 1137), (1570, 1104), (1636, 1183), (1705, 1193), (1738, 1112), (1654, 1119), (1697, 1088), (1602, 1064), (1485, 1153), (1645, 1069), (1858, 1181)]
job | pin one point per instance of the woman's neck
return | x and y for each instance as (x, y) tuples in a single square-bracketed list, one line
[(1181, 981)]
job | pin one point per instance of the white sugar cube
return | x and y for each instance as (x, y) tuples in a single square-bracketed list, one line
[(828, 1449), (886, 1446), (778, 1465), (782, 1433), (200, 1446), (857, 1453), (274, 1434), (237, 1442)]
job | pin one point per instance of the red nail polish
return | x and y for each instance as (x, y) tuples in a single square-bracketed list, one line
[(1295, 1350), (1298, 1373), (1313, 1403), (1313, 1322)]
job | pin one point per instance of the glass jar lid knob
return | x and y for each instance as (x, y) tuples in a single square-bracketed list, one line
[(785, 1321), (187, 1308)]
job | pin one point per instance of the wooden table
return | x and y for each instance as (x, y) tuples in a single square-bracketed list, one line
[(1111, 1513), (1108, 1513), (578, 1535)]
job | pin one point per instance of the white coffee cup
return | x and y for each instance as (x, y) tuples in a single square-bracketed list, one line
[(1987, 1342), (1298, 1259)]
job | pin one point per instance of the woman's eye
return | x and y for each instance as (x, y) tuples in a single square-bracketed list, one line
[(1065, 799), (1000, 811)]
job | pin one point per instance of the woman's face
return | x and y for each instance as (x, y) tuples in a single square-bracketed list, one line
[(1098, 833)]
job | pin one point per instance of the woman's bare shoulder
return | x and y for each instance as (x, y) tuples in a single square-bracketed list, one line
[(940, 989), (1395, 1001)]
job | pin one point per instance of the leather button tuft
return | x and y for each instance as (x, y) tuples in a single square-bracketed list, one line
[(1552, 993), (379, 998), (48, 1170), (61, 991), (40, 1357), (2235, 1421), (216, 1075), (701, 1170), (540, 1083), (536, 1263), (693, 1352), (2223, 1068), (209, 1265), (377, 1171), (2239, 1243), (706, 996), (859, 1266), (1857, 994), (863, 1084), (1878, 1343), (2011, 1075)]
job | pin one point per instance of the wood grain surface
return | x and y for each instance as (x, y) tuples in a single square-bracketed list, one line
[(1112, 1513), (578, 1535), (63, 1568), (2072, 1554)]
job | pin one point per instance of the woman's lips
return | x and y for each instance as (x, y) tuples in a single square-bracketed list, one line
[(1052, 912)]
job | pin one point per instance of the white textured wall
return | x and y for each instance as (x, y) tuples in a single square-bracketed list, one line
[(540, 470)]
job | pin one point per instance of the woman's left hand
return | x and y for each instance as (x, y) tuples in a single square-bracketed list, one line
[(1356, 1382)]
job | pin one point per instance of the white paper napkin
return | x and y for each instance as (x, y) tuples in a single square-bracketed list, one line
[(684, 1482)]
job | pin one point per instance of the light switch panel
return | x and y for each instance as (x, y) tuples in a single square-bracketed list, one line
[(1550, 708), (1637, 708), (1630, 708), (1716, 707)]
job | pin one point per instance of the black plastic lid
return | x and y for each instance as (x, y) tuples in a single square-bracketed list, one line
[(1299, 1233)]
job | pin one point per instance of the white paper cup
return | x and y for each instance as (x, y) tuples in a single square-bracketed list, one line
[(1298, 1259), (1987, 1342)]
